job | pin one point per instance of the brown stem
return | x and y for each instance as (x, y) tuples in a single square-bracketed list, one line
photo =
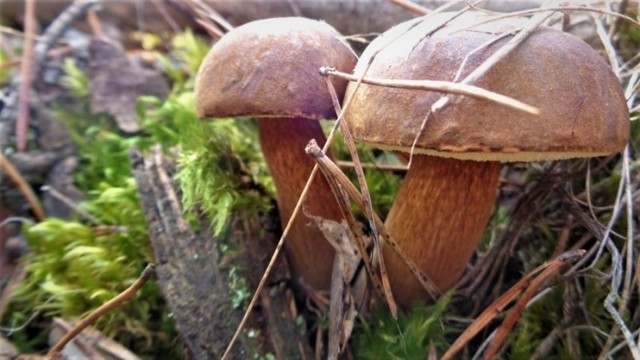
[(283, 142), (438, 219)]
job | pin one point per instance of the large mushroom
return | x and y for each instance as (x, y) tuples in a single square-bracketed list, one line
[(268, 69), (445, 201)]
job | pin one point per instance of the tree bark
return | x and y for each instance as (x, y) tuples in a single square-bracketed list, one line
[(194, 275)]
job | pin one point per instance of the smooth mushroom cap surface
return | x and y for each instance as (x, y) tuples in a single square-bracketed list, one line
[(270, 68), (583, 109)]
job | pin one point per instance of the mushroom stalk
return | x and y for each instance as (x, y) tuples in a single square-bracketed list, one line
[(450, 202), (283, 142)]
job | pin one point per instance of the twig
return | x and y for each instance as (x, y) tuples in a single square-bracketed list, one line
[(166, 16), (410, 6), (527, 286), (22, 121), (94, 23), (528, 12), (328, 166), (381, 167), (214, 15), (516, 311), (366, 197), (103, 309), (342, 197), (55, 30), (211, 29), (23, 186), (439, 86), (65, 200)]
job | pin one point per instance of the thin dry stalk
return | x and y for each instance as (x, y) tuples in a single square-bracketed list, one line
[(410, 6), (366, 197), (166, 16), (23, 186), (529, 12), (481, 70), (523, 289), (22, 121), (105, 308), (329, 167), (515, 313), (447, 87), (380, 167)]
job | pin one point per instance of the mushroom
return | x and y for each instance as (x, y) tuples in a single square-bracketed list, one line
[(446, 198), (268, 69)]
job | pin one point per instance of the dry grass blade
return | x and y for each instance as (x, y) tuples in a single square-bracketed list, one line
[(441, 86), (557, 8), (478, 72), (336, 183), (327, 165), (366, 197), (527, 286)]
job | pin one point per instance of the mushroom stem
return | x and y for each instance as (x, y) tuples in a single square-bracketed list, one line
[(450, 201), (283, 142)]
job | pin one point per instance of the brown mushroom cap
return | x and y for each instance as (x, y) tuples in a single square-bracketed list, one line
[(583, 109), (269, 68)]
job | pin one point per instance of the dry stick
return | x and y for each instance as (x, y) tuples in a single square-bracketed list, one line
[(440, 86), (342, 195), (211, 29), (410, 6), (214, 15), (70, 204), (106, 307), (55, 30), (23, 186), (522, 13), (366, 197), (381, 167), (329, 167), (532, 280), (94, 23), (516, 311), (22, 121), (166, 16)]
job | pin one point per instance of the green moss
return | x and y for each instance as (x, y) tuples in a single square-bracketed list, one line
[(408, 338)]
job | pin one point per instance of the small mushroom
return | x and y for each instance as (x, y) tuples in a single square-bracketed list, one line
[(445, 201), (268, 69)]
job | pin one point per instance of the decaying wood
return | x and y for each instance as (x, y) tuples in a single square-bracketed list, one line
[(194, 276)]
